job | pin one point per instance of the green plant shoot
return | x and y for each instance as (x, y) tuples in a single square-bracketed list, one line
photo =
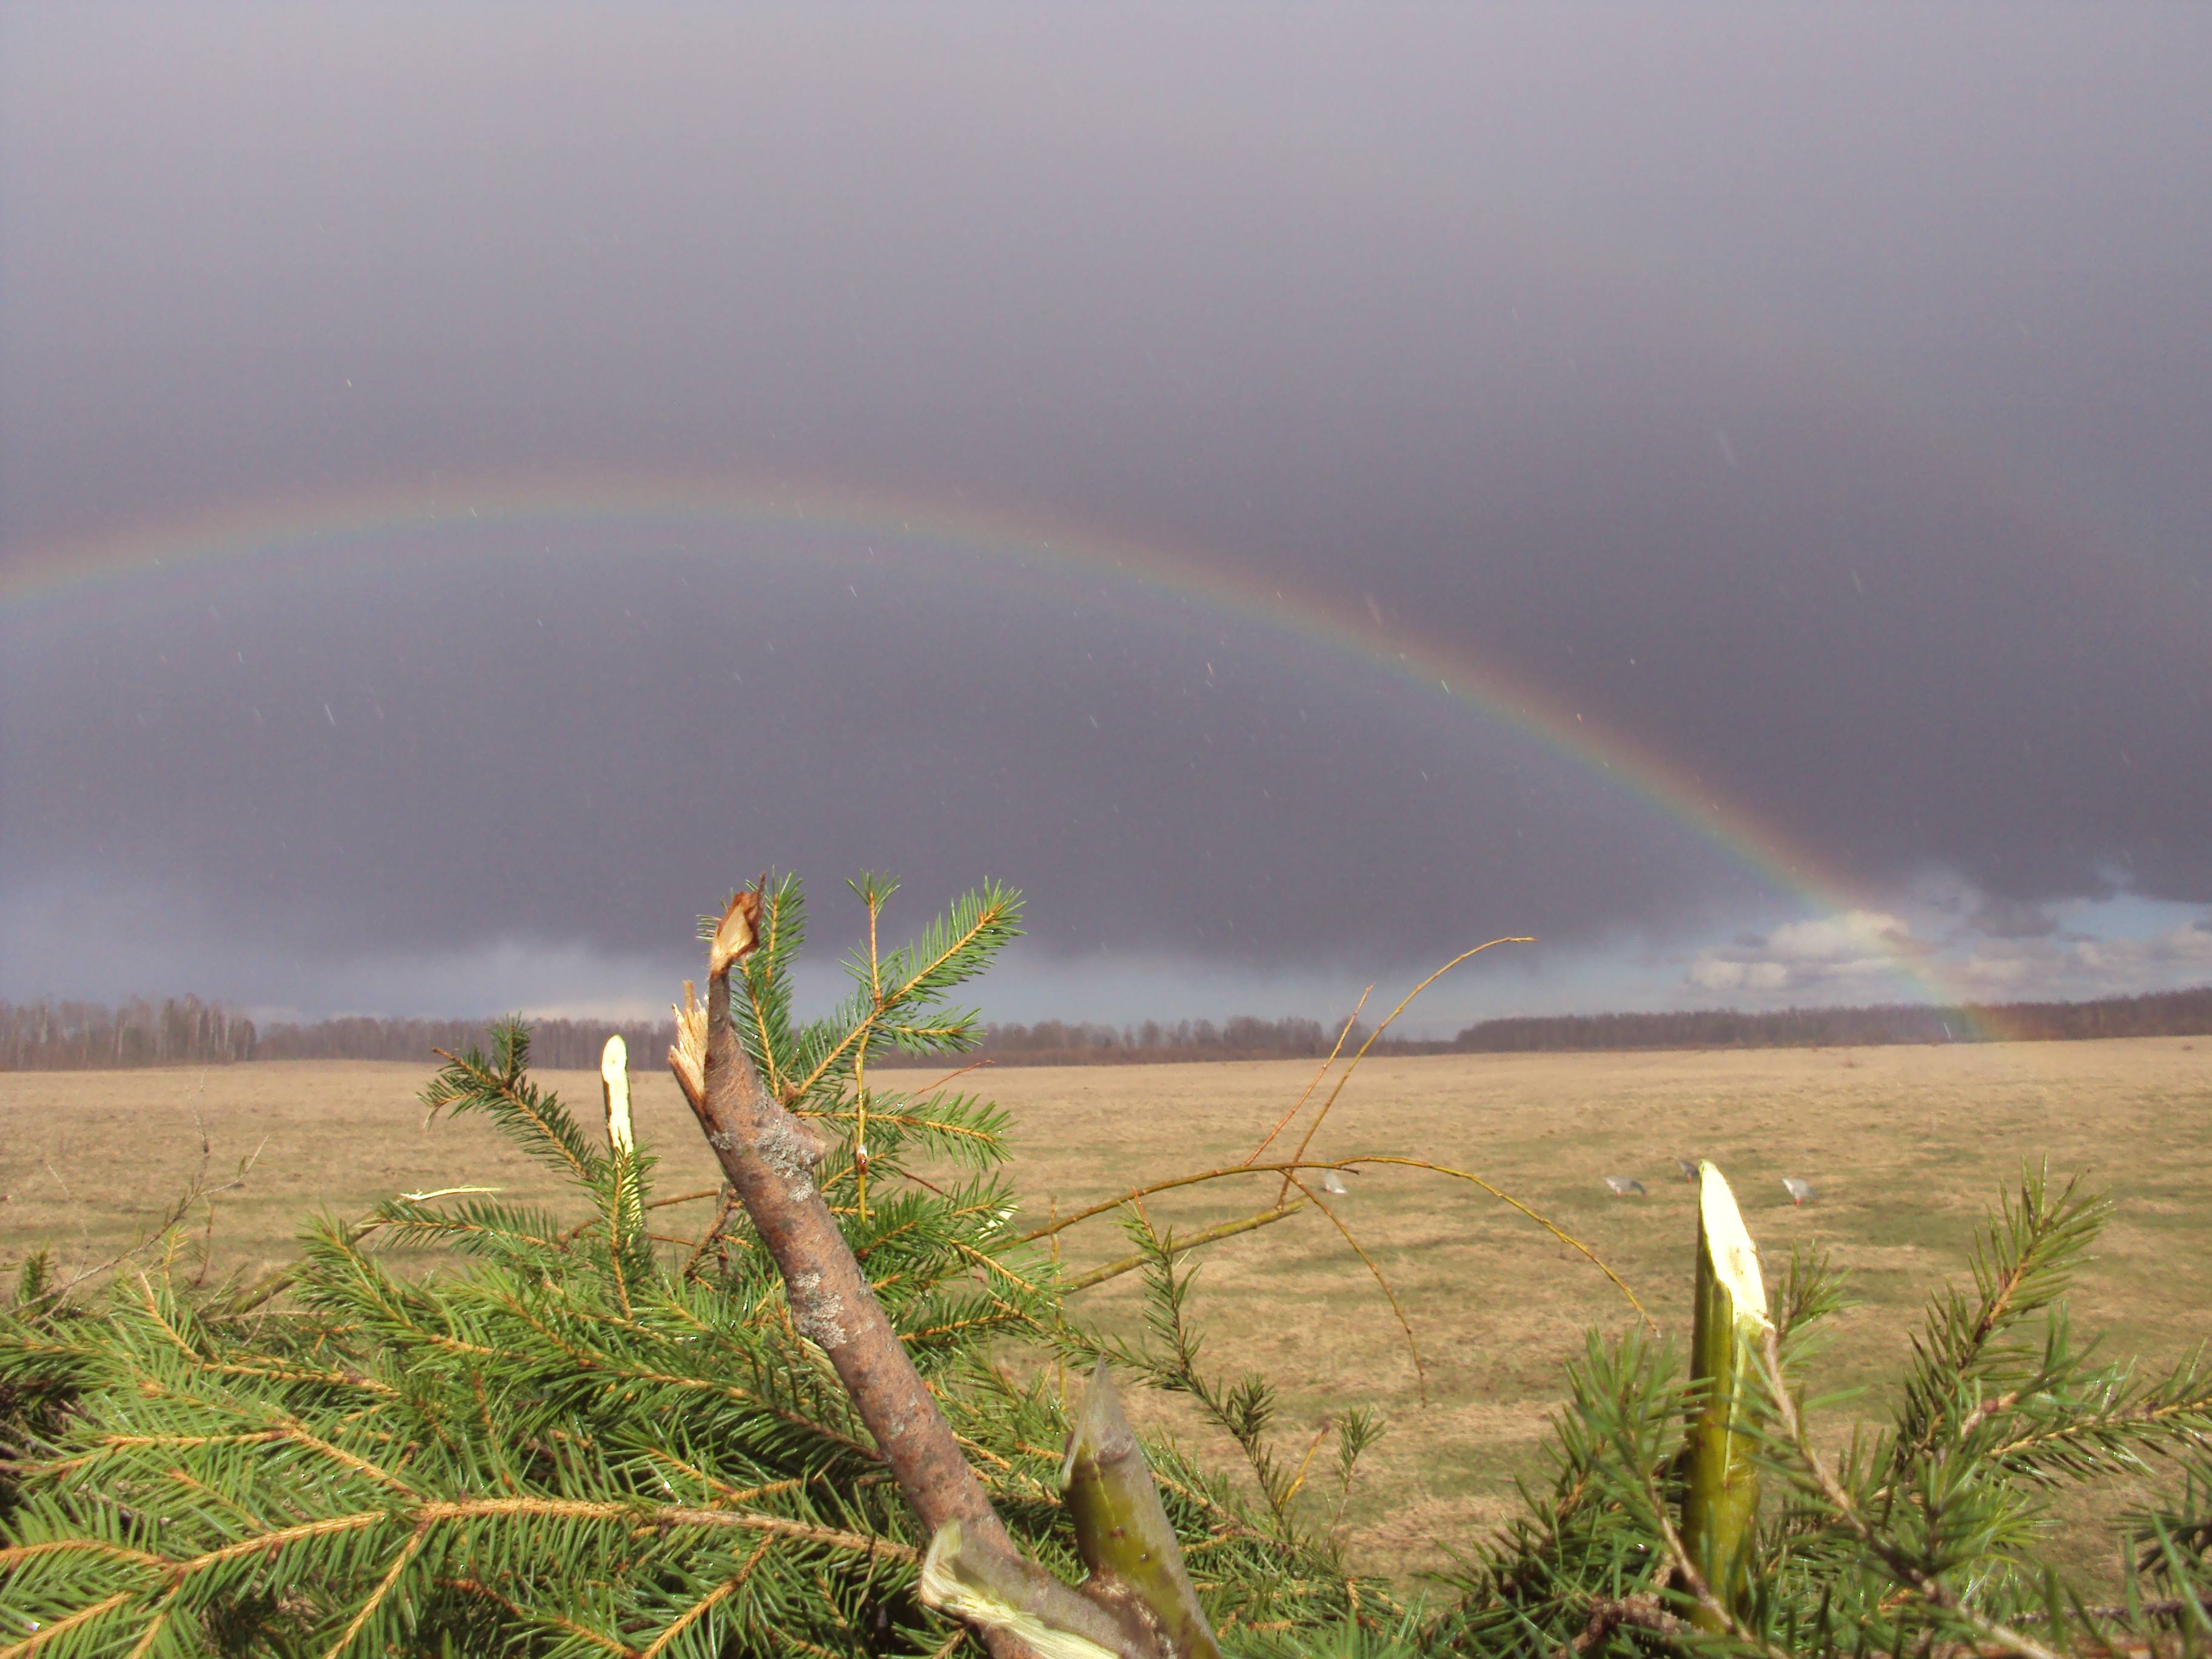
[(1721, 1505)]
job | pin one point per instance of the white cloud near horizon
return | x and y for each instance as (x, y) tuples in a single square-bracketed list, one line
[(1839, 954), (1970, 947)]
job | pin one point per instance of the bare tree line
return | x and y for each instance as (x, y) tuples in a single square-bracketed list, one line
[(1246, 1036), (186, 1031), (71, 1037), (76, 1037), (51, 1036)]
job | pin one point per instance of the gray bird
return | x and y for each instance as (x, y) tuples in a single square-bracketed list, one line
[(1621, 1186), (1688, 1166), (1799, 1191), (1333, 1184)]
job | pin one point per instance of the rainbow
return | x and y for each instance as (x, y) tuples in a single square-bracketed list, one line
[(286, 532)]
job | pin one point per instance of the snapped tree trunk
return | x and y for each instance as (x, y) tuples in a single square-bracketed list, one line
[(768, 1156)]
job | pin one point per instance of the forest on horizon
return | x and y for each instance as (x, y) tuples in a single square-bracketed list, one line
[(65, 1036)]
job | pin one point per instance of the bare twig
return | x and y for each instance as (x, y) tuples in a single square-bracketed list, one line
[(1376, 1036), (1507, 1199), (713, 1235), (590, 1222), (1634, 1612), (1129, 1264), (193, 1194), (1375, 1269), (1350, 1020), (1060, 1223)]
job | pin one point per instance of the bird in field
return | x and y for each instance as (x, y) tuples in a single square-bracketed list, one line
[(1622, 1186), (1688, 1166), (1799, 1191), (1333, 1184)]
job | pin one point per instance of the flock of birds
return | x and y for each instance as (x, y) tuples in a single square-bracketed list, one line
[(1801, 1192)]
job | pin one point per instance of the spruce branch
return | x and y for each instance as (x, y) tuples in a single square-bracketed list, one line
[(1908, 1571), (2022, 1263)]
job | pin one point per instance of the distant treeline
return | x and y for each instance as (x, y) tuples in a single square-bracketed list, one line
[(185, 1031), (55, 1036), (80, 1036), (76, 1036), (2160, 1013), (559, 1045), (1062, 1043)]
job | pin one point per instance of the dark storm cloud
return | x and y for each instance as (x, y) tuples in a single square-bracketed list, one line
[(1820, 400), (501, 735), (2011, 919)]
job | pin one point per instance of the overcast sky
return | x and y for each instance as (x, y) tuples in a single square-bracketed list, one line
[(1818, 400)]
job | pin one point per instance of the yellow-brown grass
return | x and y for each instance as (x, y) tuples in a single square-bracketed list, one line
[(1907, 1145)]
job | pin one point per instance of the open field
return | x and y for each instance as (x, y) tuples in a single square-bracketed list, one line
[(1907, 1145)]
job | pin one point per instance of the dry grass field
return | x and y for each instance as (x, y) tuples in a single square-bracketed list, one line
[(1906, 1146)]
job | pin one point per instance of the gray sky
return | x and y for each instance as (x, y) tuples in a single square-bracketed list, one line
[(1818, 399)]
